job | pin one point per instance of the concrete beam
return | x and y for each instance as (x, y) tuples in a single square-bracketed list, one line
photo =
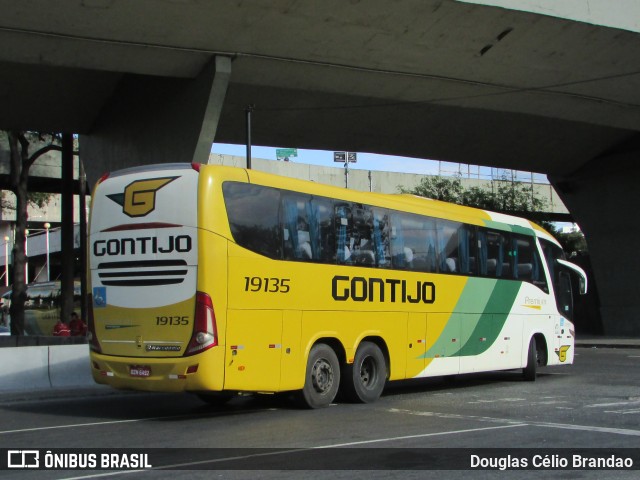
[(603, 196), (157, 120)]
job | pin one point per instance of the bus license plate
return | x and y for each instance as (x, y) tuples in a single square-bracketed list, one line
[(140, 371)]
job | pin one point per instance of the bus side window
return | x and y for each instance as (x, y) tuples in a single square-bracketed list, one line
[(363, 244), (483, 253), (343, 227), (528, 267), (448, 246), (559, 277), (399, 257), (381, 237), (295, 231), (467, 249), (252, 211), (416, 243), (321, 229), (498, 263)]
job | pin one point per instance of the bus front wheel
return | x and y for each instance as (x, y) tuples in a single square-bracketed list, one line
[(364, 379), (322, 377)]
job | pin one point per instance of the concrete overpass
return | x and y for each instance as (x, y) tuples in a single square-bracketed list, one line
[(158, 80)]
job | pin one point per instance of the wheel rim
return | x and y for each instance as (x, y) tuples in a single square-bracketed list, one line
[(368, 371), (322, 376)]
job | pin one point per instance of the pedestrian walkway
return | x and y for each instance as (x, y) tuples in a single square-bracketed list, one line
[(593, 341)]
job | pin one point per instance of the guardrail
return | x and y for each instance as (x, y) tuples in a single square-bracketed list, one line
[(44, 366)]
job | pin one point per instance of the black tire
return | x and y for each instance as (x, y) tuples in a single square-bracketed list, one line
[(364, 379), (322, 378), (529, 372)]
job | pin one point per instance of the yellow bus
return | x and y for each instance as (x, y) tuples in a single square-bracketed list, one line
[(218, 280)]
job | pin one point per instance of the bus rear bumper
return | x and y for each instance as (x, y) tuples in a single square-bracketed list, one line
[(203, 372)]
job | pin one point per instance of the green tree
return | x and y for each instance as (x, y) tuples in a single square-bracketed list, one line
[(438, 188), (572, 243), (20, 161), (500, 196)]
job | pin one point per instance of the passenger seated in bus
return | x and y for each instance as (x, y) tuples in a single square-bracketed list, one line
[(305, 251), (365, 257), (451, 265), (492, 263), (524, 271), (408, 257)]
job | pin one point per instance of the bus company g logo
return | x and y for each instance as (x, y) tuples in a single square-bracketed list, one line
[(562, 353), (139, 197)]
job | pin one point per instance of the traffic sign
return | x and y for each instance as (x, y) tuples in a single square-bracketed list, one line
[(344, 157), (283, 153)]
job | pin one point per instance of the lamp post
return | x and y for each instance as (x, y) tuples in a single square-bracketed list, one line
[(47, 226), (6, 261)]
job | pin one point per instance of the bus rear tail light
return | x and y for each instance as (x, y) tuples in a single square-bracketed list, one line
[(205, 333), (94, 345)]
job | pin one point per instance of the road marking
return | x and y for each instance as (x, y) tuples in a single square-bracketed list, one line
[(566, 426), (623, 412), (615, 404), (129, 420), (588, 428), (75, 425), (422, 435), (456, 416), (501, 400)]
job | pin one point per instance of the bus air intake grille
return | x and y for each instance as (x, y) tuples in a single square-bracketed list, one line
[(142, 273)]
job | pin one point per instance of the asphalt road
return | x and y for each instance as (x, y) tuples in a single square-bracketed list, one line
[(594, 403)]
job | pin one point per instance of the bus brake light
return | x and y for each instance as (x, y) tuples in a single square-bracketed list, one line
[(205, 333)]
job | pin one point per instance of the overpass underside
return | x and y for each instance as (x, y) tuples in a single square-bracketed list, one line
[(437, 79)]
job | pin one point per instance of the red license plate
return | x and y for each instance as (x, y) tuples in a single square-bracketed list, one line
[(140, 371)]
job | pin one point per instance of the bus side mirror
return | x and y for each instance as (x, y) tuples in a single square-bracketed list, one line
[(582, 276)]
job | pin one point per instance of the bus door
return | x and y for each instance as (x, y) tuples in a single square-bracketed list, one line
[(254, 350)]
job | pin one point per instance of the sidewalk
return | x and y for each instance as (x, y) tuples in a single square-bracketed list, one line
[(591, 341)]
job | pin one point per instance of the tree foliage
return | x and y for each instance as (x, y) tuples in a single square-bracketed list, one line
[(503, 196), (20, 161), (499, 196)]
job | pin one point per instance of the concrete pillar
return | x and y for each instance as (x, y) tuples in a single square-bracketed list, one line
[(157, 120), (603, 199), (67, 263)]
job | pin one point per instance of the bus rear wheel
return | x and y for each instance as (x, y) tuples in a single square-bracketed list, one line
[(364, 379), (322, 378)]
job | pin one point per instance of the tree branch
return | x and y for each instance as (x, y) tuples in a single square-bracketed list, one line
[(37, 154)]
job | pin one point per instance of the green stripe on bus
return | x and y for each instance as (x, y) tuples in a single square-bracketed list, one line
[(509, 228), (492, 320), (477, 320)]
